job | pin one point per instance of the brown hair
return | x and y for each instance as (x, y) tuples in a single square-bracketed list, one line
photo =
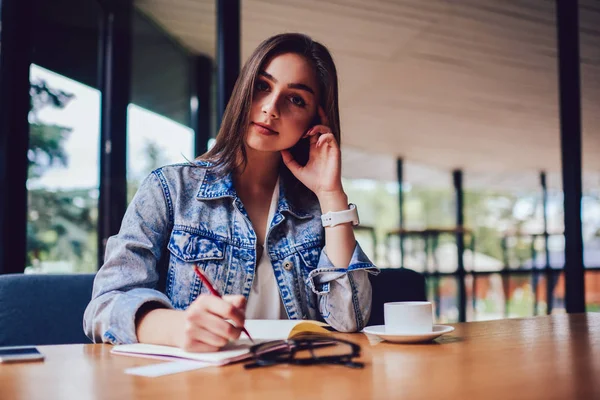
[(230, 139)]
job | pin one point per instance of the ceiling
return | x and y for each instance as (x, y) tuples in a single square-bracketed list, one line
[(469, 84)]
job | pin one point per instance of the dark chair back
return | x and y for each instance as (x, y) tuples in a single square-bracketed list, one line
[(395, 284), (43, 309)]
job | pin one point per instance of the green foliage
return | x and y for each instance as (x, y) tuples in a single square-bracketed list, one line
[(60, 223), (489, 214), (427, 207), (377, 204), (154, 158), (46, 142)]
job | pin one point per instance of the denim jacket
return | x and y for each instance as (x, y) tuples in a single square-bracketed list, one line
[(185, 214)]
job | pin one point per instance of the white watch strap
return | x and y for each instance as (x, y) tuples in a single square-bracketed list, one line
[(333, 218)]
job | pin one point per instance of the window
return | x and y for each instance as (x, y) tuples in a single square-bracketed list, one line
[(377, 203), (63, 174), (158, 117), (153, 141)]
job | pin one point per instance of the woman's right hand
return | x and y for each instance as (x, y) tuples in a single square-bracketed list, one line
[(205, 327)]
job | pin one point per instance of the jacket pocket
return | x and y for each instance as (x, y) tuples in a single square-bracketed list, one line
[(188, 249), (309, 256)]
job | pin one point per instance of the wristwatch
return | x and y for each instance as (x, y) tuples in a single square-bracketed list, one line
[(333, 218)]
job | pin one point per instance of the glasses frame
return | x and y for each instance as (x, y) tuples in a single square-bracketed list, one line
[(284, 352)]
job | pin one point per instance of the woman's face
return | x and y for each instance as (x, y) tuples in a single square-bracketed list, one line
[(284, 103)]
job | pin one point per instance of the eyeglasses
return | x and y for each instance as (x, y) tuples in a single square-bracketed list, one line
[(305, 351)]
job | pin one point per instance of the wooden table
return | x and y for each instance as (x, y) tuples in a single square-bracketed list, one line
[(556, 357)]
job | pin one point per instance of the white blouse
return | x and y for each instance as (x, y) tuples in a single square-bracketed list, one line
[(264, 300)]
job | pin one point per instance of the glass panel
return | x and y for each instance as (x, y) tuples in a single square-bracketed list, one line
[(366, 237), (558, 304), (589, 19), (526, 294), (592, 291), (590, 216), (489, 298), (153, 141), (377, 203), (443, 293), (520, 296), (159, 116), (589, 16), (491, 292), (506, 215), (539, 290), (429, 206), (63, 174), (64, 123), (428, 197)]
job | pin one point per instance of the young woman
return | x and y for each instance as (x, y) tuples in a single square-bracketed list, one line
[(248, 214)]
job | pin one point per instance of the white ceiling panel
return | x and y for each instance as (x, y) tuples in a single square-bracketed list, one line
[(470, 84)]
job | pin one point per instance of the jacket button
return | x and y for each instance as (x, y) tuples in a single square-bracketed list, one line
[(288, 265)]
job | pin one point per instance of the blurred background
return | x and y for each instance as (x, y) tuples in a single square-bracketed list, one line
[(450, 130)]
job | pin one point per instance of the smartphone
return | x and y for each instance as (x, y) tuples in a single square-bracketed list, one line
[(316, 121), (20, 353)]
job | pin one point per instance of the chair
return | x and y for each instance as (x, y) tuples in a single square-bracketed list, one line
[(43, 309), (395, 284)]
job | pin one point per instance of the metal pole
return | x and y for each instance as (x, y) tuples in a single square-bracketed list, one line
[(474, 286), (570, 138), (547, 270), (228, 52), (115, 84), (534, 275), (201, 77), (400, 174), (15, 60), (460, 245), (505, 275)]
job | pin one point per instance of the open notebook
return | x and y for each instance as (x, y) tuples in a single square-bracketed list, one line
[(260, 330)]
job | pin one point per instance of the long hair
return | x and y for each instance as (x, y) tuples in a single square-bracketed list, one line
[(224, 155)]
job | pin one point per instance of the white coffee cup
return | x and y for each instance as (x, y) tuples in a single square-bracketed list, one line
[(413, 317)]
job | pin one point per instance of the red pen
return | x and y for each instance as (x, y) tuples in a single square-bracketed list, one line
[(213, 291)]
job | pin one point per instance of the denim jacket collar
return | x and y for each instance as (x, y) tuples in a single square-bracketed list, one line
[(215, 187)]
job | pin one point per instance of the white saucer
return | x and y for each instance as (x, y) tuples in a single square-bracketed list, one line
[(398, 337)]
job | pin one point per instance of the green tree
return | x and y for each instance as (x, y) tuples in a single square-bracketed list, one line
[(490, 214), (60, 223), (46, 142), (154, 158)]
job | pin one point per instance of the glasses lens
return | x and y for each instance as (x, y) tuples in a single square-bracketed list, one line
[(271, 348), (323, 350), (306, 351)]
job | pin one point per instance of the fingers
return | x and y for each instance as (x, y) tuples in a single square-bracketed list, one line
[(194, 346), (328, 139), (238, 301), (315, 132), (198, 337), (206, 327), (225, 310), (290, 162), (217, 326), (317, 129)]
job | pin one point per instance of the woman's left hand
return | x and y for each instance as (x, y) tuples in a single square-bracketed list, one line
[(322, 173)]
